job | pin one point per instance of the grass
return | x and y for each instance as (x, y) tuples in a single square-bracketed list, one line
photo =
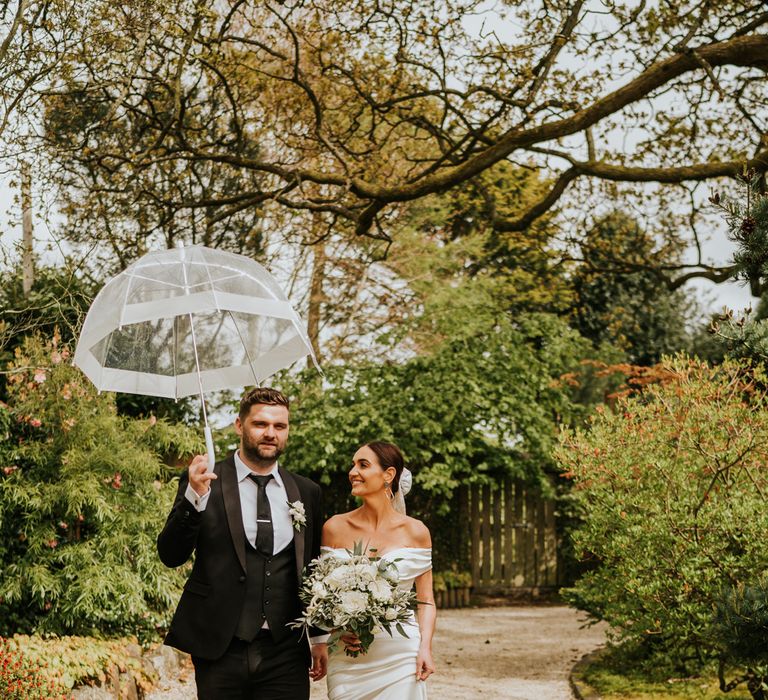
[(615, 675)]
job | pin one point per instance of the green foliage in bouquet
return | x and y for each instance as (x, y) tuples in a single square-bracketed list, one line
[(83, 494), (356, 594), (672, 488)]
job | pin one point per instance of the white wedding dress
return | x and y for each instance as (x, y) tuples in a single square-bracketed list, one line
[(388, 670)]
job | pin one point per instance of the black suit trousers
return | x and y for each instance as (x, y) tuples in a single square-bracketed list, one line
[(259, 670)]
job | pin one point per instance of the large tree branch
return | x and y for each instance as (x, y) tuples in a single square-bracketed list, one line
[(623, 173), (352, 126), (743, 51), (716, 275), (5, 46), (672, 276), (749, 51), (520, 223)]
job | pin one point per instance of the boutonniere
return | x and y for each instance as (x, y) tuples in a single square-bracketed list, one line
[(298, 515)]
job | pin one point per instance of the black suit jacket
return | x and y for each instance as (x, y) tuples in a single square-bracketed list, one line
[(210, 606)]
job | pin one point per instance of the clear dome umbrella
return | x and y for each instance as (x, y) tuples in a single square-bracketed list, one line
[(186, 321)]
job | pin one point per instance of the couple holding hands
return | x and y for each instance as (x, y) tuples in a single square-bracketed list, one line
[(253, 528)]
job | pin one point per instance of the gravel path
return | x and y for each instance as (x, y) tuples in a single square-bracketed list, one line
[(499, 653)]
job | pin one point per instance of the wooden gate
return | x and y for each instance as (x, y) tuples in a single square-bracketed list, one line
[(513, 537)]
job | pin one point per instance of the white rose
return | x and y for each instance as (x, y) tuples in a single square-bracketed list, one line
[(339, 577), (381, 590), (366, 572), (389, 572), (318, 589), (390, 614), (353, 602)]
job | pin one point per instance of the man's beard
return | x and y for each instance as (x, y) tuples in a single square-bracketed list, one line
[(253, 452)]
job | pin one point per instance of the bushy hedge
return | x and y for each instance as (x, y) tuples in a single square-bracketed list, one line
[(83, 494), (673, 485)]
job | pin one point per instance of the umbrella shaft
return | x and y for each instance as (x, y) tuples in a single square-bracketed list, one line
[(197, 367)]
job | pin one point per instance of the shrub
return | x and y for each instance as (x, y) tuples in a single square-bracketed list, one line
[(72, 661), (672, 487), (451, 579), (23, 679), (83, 494)]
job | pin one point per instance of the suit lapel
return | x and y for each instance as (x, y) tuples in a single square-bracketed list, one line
[(292, 491), (231, 492)]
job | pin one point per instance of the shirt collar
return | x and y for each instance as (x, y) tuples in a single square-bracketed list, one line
[(243, 470)]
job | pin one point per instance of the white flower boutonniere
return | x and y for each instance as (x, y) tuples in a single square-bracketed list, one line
[(298, 515)]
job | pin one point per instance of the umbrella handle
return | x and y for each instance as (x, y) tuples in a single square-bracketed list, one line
[(209, 447)]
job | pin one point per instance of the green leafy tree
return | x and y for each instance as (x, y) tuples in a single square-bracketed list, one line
[(618, 298), (474, 410), (353, 109), (672, 489), (456, 239), (83, 494), (57, 304)]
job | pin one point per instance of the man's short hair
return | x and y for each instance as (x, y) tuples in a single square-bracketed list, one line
[(264, 395)]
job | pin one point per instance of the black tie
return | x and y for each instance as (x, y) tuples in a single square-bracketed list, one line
[(265, 537)]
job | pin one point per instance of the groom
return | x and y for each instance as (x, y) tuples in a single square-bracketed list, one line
[(253, 527)]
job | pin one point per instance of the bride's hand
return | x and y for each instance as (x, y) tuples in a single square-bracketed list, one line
[(425, 667), (351, 641)]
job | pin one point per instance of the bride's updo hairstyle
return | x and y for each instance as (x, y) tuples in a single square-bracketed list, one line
[(389, 455)]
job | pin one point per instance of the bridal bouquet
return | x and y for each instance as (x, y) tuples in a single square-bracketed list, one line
[(357, 594)]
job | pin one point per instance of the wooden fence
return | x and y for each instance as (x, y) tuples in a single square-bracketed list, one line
[(512, 537)]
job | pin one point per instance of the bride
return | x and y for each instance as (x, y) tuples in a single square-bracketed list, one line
[(395, 667)]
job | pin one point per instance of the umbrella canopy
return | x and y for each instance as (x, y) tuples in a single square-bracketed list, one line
[(188, 320)]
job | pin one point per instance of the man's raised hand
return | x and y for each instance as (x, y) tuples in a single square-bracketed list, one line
[(199, 475)]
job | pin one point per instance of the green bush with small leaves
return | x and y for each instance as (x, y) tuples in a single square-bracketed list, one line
[(672, 488), (83, 494)]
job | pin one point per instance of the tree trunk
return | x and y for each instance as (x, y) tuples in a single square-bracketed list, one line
[(316, 298), (27, 246)]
